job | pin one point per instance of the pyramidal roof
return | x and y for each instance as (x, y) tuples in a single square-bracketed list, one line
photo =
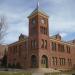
[(38, 10)]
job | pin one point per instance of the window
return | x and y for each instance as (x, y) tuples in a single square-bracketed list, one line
[(68, 49), (53, 46), (43, 30), (54, 60), (33, 44), (61, 48), (33, 61), (45, 44), (69, 62), (20, 48), (42, 41), (44, 61), (15, 49), (62, 61), (33, 21)]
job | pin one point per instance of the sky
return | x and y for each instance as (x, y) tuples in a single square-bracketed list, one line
[(61, 17)]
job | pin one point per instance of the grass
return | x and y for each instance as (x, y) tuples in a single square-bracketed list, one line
[(61, 73), (14, 73), (28, 73), (58, 74)]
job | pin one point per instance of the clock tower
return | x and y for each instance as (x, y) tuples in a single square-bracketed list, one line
[(39, 45)]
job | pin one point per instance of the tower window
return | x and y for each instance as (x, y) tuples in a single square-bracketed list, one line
[(33, 43), (43, 30), (45, 44), (33, 21), (42, 46)]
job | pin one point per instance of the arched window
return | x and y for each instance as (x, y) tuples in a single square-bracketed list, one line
[(33, 61), (42, 41), (45, 44), (33, 43), (44, 61)]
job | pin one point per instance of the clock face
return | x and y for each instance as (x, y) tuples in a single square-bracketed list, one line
[(42, 21), (33, 21)]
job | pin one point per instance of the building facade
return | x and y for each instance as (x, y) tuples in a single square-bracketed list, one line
[(39, 50)]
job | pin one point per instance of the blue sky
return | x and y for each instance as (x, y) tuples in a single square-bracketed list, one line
[(61, 17)]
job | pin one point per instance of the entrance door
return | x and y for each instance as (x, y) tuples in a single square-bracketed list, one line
[(33, 61), (44, 61)]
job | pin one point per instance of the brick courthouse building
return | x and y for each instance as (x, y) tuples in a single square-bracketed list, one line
[(39, 50)]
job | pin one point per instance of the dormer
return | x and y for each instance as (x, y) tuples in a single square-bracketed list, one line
[(73, 41), (22, 37), (58, 37)]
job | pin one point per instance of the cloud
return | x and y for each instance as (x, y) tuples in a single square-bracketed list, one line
[(63, 34), (59, 24), (17, 23), (61, 16)]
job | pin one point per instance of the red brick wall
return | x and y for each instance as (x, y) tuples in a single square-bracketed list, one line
[(19, 58), (62, 55)]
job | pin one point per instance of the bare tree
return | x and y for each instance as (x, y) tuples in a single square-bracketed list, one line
[(3, 28)]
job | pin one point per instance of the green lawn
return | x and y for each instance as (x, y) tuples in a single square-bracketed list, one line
[(14, 73), (60, 73), (28, 73)]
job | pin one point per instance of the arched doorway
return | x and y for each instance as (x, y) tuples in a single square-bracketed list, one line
[(44, 61), (33, 61)]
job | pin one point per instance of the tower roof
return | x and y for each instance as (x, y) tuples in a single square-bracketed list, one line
[(38, 10)]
